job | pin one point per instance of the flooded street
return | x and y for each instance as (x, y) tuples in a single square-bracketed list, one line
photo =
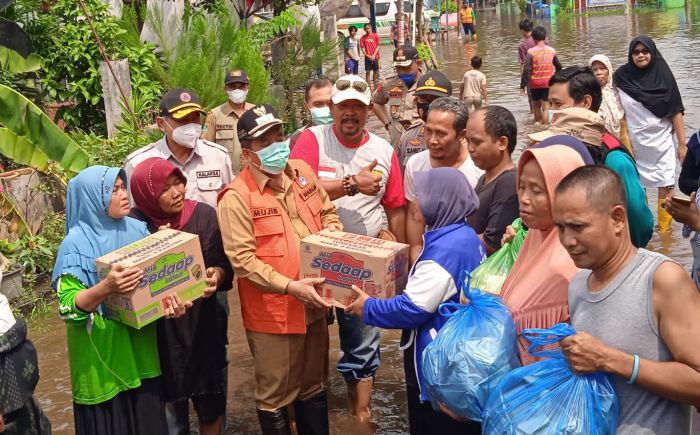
[(576, 40)]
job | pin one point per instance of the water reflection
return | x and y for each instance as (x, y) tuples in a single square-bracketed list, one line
[(576, 40)]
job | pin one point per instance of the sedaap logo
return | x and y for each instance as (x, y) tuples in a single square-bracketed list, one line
[(340, 269)]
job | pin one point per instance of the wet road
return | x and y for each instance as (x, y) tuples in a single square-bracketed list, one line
[(576, 40)]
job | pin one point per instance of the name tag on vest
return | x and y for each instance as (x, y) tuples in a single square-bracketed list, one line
[(209, 174), (305, 194), (264, 212)]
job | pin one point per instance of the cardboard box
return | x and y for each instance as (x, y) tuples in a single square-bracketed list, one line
[(379, 267), (172, 262)]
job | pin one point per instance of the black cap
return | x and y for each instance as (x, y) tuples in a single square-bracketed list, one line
[(180, 102), (434, 83), (256, 121), (236, 76), (405, 55)]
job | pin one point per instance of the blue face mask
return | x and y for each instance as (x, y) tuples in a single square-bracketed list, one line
[(274, 157), (408, 79), (321, 115)]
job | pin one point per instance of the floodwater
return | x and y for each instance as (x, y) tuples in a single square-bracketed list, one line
[(576, 40)]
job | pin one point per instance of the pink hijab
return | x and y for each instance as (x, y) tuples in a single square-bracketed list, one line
[(536, 291)]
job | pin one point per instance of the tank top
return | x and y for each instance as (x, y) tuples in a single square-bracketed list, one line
[(622, 316)]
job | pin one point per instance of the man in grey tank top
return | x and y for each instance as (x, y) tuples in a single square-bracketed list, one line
[(637, 312)]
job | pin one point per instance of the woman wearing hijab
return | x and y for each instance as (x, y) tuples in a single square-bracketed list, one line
[(191, 355), (536, 288), (654, 111), (450, 246), (610, 109), (115, 372)]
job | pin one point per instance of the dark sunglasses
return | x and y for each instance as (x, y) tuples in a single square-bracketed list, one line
[(644, 51), (359, 86)]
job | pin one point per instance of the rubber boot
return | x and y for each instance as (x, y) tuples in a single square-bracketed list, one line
[(359, 393), (665, 219), (274, 422), (312, 415)]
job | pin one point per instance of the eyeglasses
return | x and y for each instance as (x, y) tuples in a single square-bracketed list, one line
[(643, 51), (357, 85)]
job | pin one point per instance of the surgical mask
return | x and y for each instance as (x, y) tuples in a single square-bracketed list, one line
[(274, 157), (321, 115), (408, 79), (237, 96), (423, 110), (187, 135)]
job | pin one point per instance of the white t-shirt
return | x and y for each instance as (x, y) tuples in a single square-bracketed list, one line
[(421, 163)]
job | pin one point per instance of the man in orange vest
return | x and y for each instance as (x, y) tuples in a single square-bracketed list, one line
[(264, 214), (540, 65), (468, 18)]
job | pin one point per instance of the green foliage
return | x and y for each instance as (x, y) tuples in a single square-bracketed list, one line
[(522, 4), (451, 7), (304, 56), (424, 53), (36, 254), (31, 138), (265, 31), (208, 46), (72, 59)]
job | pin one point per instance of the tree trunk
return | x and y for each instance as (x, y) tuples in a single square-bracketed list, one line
[(277, 45), (400, 20)]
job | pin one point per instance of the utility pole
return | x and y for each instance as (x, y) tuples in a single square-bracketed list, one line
[(372, 16), (399, 22)]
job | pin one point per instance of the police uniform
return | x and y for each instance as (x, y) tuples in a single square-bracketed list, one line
[(393, 92), (222, 123), (411, 143), (433, 83)]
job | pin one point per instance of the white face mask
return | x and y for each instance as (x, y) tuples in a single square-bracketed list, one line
[(237, 96), (187, 135)]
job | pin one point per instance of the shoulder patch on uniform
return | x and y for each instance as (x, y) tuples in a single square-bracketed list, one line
[(140, 151), (215, 145)]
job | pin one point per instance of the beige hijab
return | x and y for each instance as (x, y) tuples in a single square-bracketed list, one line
[(536, 290), (611, 109)]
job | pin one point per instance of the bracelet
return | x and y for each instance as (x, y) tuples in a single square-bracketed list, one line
[(635, 370), (350, 185)]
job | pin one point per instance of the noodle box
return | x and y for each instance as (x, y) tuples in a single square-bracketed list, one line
[(379, 267), (171, 261)]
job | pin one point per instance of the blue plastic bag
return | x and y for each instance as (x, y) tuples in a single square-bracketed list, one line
[(474, 350), (547, 398)]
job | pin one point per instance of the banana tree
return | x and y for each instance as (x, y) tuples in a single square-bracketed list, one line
[(30, 138)]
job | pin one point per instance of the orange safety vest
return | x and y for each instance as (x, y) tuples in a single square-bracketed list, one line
[(467, 16), (542, 66), (276, 244)]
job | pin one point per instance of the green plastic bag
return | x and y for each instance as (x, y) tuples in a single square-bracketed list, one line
[(492, 273)]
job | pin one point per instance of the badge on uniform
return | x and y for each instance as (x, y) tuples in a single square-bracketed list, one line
[(394, 110), (377, 172), (415, 141), (396, 91), (302, 181), (326, 173)]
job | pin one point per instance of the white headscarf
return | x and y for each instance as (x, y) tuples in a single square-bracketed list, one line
[(611, 109)]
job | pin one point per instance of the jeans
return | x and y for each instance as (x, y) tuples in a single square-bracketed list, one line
[(178, 416), (360, 345)]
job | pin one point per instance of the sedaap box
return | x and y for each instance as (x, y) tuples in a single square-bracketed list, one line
[(379, 267), (172, 262)]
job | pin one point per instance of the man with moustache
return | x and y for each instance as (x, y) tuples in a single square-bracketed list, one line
[(360, 172)]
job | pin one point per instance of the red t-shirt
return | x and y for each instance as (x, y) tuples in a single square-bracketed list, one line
[(369, 43)]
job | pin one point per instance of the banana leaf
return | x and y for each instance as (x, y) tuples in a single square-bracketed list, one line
[(14, 37), (22, 151), (38, 133), (15, 63)]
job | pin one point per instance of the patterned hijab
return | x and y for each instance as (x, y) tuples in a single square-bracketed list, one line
[(610, 109)]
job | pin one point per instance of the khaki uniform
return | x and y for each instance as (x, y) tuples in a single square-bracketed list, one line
[(208, 169), (221, 127), (392, 91), (411, 143)]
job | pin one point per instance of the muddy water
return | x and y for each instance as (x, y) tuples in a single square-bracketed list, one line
[(576, 39)]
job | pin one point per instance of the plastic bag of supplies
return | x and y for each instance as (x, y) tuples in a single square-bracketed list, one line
[(472, 353), (492, 273), (547, 398)]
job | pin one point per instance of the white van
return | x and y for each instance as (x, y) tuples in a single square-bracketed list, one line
[(385, 11)]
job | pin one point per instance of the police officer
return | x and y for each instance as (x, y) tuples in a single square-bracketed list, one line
[(206, 165), (430, 86), (222, 121), (396, 91)]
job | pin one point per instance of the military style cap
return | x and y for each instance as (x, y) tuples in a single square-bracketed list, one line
[(256, 121), (180, 102), (236, 76), (434, 83), (405, 55)]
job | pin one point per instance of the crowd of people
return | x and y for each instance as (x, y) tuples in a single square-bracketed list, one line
[(444, 183)]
